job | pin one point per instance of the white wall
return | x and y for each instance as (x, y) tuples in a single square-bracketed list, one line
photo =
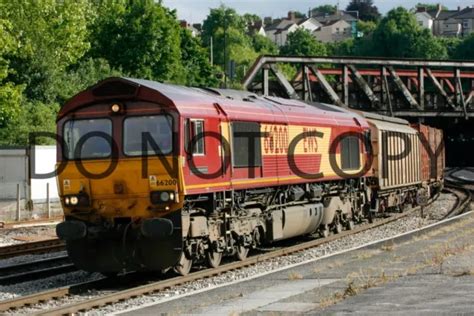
[(424, 21), (15, 169), (45, 162)]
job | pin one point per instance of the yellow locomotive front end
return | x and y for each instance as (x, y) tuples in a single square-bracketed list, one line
[(121, 186)]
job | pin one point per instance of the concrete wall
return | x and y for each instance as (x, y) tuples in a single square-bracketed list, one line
[(13, 171), (16, 168)]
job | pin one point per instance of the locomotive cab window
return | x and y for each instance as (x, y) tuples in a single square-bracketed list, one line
[(87, 139), (152, 133), (350, 153), (194, 131), (246, 148)]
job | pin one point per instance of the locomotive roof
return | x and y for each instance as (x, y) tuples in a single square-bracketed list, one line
[(210, 102)]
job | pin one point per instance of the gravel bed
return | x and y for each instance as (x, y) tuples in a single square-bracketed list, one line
[(30, 287), (7, 235), (29, 258), (433, 213)]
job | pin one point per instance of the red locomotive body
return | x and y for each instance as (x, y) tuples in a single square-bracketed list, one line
[(176, 175)]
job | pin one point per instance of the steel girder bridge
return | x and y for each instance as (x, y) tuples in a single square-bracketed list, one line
[(396, 87)]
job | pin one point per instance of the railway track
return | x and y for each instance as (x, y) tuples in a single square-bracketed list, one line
[(161, 285), (36, 247), (459, 183), (32, 270)]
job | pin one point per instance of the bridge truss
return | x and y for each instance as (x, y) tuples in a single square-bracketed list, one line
[(396, 87)]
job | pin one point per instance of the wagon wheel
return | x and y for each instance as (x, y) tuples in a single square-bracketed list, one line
[(241, 252), (213, 259), (184, 265)]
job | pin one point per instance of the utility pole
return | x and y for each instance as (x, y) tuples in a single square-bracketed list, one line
[(225, 49), (212, 51)]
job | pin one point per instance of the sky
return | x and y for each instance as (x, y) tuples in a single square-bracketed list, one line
[(195, 11)]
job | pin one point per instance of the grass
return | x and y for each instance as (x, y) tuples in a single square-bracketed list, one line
[(294, 276)]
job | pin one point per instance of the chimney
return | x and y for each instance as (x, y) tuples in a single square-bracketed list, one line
[(183, 23), (440, 9), (459, 8), (291, 15)]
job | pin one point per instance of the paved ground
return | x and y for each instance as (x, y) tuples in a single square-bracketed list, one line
[(430, 273)]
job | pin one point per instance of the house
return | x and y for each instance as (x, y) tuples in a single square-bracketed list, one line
[(466, 19), (310, 24), (256, 28), (333, 31), (280, 28), (348, 17), (424, 19), (193, 28), (458, 22)]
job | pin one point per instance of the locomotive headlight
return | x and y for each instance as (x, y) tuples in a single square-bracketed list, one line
[(80, 200), (115, 108), (161, 197), (74, 200), (164, 196)]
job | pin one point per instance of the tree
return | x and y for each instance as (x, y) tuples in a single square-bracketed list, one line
[(428, 6), (302, 43), (195, 59), (263, 45), (299, 15), (140, 37), (367, 10), (342, 48), (50, 36), (220, 18), (83, 74), (10, 94), (399, 35), (326, 9), (239, 50), (366, 27), (451, 44), (465, 50), (251, 18)]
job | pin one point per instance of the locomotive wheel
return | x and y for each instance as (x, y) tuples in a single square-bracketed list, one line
[(324, 232), (213, 259), (241, 253), (338, 228), (184, 265), (350, 225)]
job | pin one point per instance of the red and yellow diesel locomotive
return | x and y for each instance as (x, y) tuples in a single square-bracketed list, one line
[(157, 176)]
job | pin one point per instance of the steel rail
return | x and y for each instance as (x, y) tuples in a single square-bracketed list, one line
[(28, 271), (462, 202), (175, 281), (35, 247), (14, 267)]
